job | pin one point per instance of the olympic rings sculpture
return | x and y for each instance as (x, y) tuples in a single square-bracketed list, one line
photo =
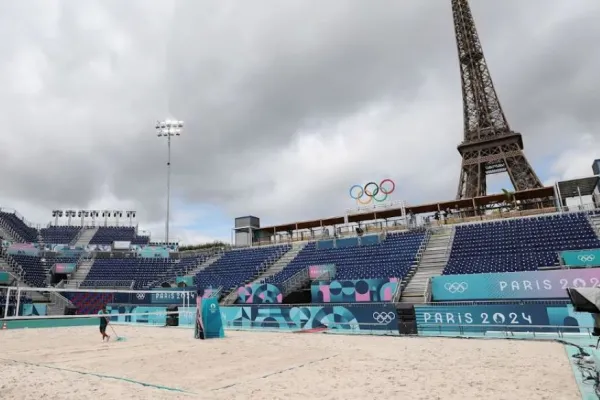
[(372, 192)]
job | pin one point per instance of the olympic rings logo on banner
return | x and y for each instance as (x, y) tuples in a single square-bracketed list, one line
[(456, 287), (372, 192), (140, 296), (384, 318), (587, 258)]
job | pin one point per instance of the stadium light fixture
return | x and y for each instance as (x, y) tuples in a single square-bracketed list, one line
[(56, 214), (117, 214), (94, 214), (131, 216), (168, 129), (70, 214), (106, 215)]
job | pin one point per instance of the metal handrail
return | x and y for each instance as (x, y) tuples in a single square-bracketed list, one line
[(444, 329), (289, 285), (95, 284)]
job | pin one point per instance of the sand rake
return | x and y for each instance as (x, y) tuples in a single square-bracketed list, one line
[(118, 338)]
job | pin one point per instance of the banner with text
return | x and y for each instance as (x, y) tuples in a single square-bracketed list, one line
[(186, 315), (153, 252), (581, 258), (65, 250), (513, 285), (434, 319), (259, 293), (174, 296), (319, 271), (354, 291), (23, 249), (64, 268)]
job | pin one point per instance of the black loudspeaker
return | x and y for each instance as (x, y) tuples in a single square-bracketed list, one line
[(407, 319), (70, 310), (172, 319)]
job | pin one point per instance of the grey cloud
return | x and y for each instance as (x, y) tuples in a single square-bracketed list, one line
[(248, 78)]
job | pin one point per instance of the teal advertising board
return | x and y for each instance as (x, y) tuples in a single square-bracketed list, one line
[(4, 277), (187, 280), (513, 285), (209, 323), (64, 268), (581, 258)]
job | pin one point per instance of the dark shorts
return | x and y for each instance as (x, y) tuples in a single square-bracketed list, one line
[(102, 328)]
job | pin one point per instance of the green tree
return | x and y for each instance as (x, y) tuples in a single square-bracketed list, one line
[(509, 199)]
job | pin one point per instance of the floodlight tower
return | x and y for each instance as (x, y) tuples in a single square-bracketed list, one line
[(57, 214), (168, 129)]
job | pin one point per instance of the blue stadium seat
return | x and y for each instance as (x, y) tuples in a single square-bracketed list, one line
[(236, 267), (36, 269), (106, 235), (392, 258), (144, 271), (59, 234), (518, 244), (27, 233)]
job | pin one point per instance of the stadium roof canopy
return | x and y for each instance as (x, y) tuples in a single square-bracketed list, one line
[(578, 187), (541, 193)]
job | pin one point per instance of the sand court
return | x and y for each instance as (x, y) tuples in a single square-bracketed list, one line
[(73, 363)]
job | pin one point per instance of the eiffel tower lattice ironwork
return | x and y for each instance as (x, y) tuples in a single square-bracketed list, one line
[(489, 145)]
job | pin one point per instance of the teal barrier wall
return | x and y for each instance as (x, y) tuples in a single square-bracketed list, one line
[(35, 309), (581, 258), (50, 323), (4, 277)]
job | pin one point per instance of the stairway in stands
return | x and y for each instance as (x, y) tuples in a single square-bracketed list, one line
[(85, 236), (282, 262), (83, 268), (6, 235), (207, 263), (432, 263), (595, 222)]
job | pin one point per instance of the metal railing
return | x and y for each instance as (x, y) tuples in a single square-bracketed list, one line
[(296, 281), (507, 330), (398, 293), (428, 291), (291, 326), (216, 293), (231, 297), (99, 284), (59, 300)]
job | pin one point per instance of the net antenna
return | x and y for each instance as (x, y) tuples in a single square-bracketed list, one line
[(59, 300)]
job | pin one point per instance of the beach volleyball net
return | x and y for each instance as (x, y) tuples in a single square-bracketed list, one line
[(159, 307)]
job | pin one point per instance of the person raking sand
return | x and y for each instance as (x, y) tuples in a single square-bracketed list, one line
[(103, 323)]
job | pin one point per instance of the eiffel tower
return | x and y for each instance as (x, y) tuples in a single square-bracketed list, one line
[(489, 145)]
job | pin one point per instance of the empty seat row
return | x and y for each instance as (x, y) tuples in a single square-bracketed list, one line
[(518, 244), (237, 267), (392, 258)]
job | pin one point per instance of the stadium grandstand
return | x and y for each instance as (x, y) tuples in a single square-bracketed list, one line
[(405, 247)]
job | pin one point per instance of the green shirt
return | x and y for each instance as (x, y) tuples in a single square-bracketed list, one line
[(102, 319)]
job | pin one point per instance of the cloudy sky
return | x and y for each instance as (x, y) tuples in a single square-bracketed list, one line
[(287, 103)]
